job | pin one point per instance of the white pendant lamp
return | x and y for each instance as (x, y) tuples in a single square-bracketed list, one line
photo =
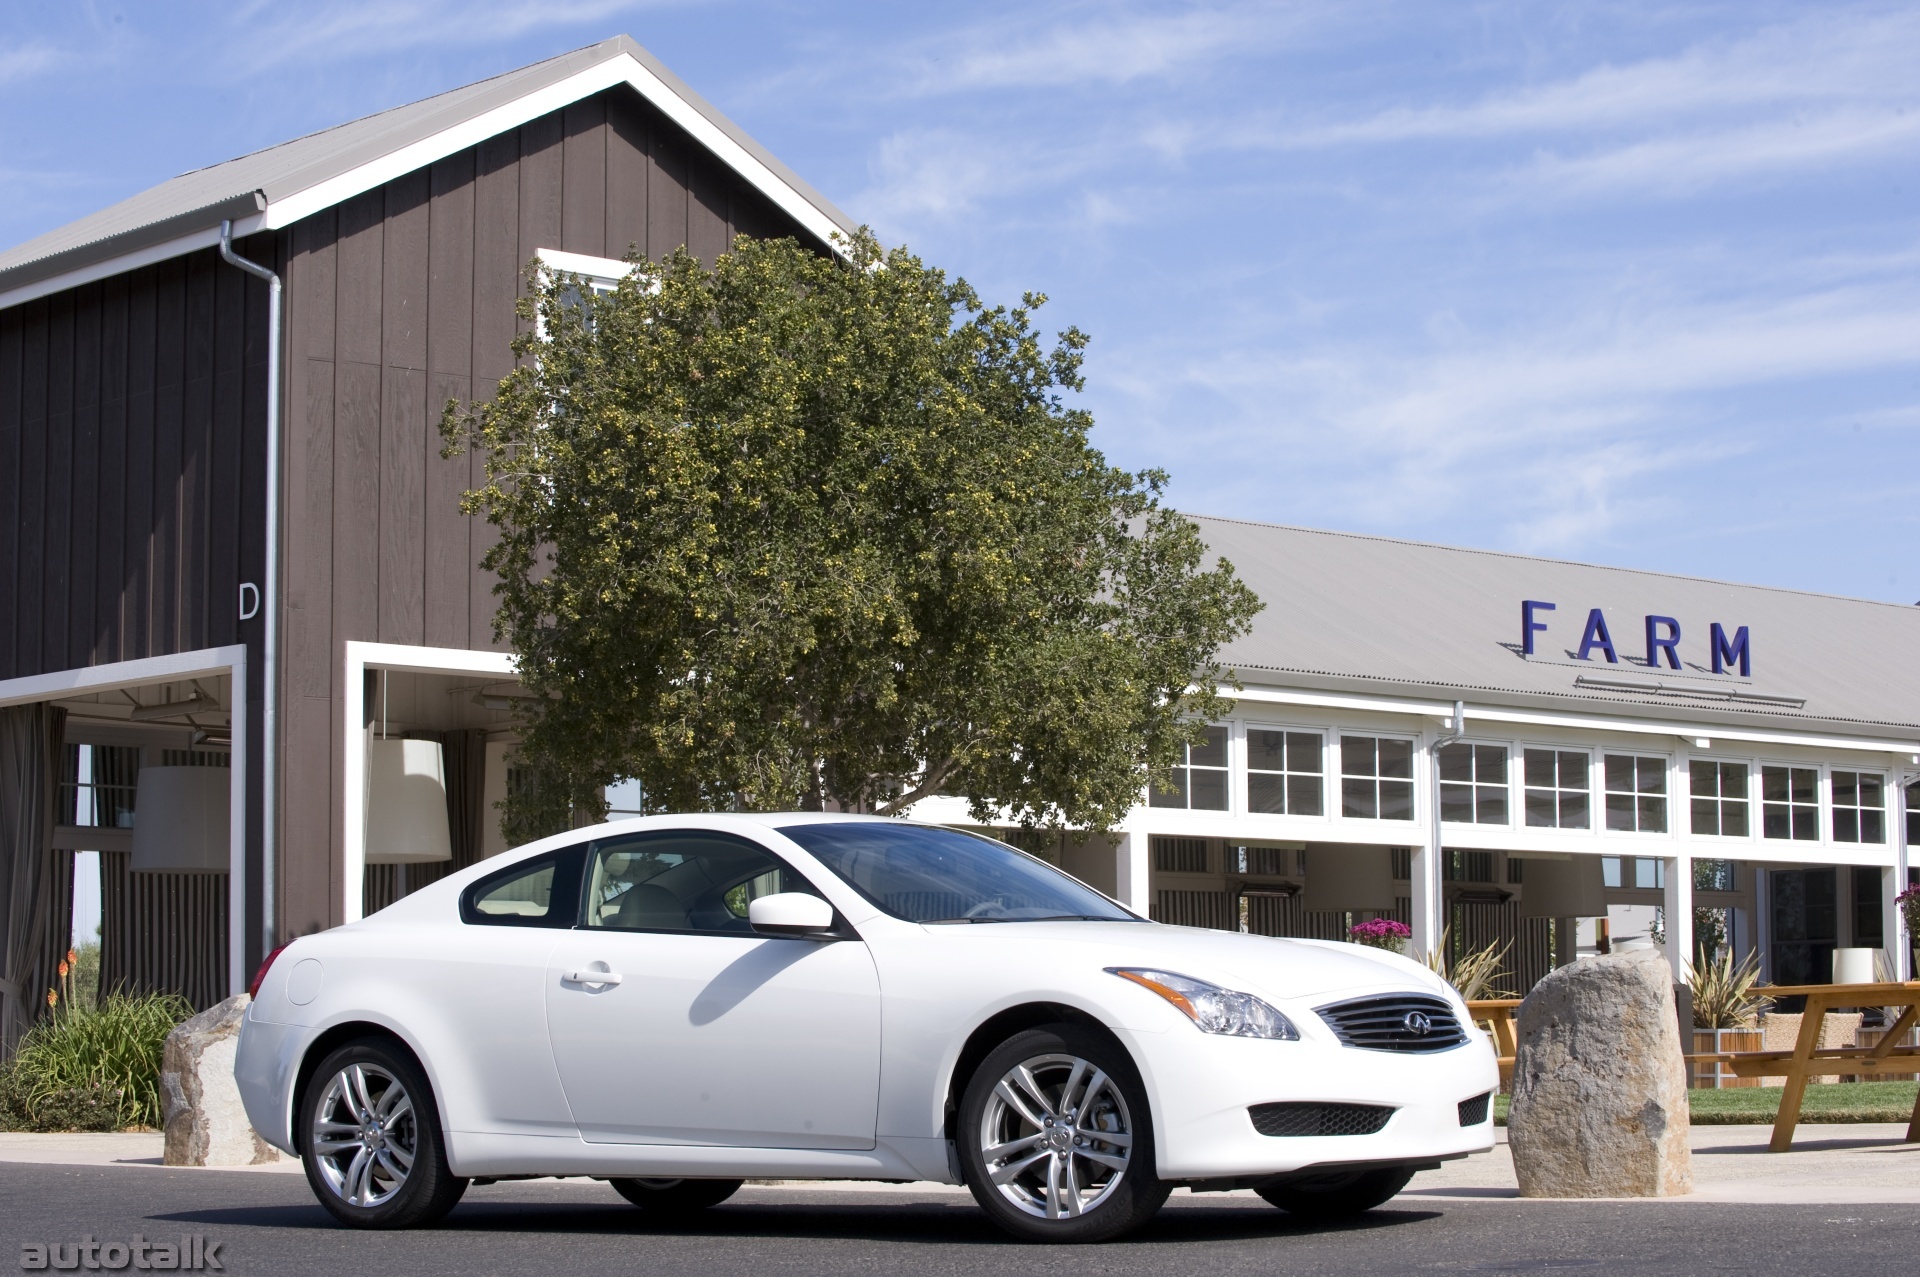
[(406, 803), (1342, 878), (180, 820)]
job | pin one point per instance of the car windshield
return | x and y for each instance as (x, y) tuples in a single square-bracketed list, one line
[(926, 874)]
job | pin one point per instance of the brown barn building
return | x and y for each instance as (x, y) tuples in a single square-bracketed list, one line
[(143, 378)]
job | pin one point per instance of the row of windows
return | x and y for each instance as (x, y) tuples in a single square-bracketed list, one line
[(1286, 777)]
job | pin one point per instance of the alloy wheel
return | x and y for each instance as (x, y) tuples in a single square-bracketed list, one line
[(1056, 1136), (365, 1135)]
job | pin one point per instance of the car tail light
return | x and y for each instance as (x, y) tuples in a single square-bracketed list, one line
[(259, 977)]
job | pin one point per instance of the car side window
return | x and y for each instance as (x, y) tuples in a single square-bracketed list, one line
[(690, 880), (535, 893)]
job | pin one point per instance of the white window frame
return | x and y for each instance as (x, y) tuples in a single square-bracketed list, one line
[(1596, 777), (1830, 811), (1421, 755), (1242, 798), (1821, 807), (1667, 769), (1753, 798), (1511, 749)]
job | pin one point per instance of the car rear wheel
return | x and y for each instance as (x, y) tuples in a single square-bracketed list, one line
[(676, 1196), (1056, 1138), (371, 1142), (1337, 1196)]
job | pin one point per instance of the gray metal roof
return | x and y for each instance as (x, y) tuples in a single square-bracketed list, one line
[(241, 187), (1365, 613)]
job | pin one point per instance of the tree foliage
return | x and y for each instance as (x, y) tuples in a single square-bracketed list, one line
[(793, 531)]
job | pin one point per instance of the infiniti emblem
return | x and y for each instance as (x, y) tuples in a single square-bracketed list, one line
[(1418, 1023)]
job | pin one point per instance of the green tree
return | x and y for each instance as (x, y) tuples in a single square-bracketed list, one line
[(795, 530)]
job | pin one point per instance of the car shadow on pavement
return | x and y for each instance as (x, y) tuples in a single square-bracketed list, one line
[(923, 1223)]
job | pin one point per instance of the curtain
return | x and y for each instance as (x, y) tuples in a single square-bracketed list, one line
[(162, 932), (36, 932), (464, 756)]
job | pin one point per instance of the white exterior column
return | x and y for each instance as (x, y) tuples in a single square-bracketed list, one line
[(1130, 865), (1679, 907), (1428, 917), (1893, 881)]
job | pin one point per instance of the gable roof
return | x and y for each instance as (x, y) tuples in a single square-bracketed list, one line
[(284, 183), (1373, 614)]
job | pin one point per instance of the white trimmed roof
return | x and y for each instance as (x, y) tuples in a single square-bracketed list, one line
[(282, 184), (1346, 612)]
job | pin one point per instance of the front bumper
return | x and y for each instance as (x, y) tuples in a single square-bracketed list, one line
[(1203, 1086)]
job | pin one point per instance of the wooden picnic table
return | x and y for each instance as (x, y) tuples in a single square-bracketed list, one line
[(1807, 1058), (1497, 1015)]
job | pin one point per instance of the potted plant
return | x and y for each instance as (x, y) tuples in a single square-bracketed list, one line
[(1381, 933), (1909, 902), (1726, 1008)]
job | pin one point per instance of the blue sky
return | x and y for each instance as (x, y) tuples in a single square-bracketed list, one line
[(1636, 284)]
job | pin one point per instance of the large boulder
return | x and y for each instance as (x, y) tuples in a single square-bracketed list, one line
[(1599, 1085), (205, 1123)]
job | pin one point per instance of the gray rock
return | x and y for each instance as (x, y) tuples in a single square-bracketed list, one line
[(1599, 1085), (205, 1122)]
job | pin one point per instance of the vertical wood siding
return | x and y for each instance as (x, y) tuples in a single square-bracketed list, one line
[(400, 300)]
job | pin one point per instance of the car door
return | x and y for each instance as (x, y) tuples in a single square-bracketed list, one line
[(673, 1023)]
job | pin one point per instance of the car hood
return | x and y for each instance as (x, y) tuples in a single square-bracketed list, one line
[(1273, 968)]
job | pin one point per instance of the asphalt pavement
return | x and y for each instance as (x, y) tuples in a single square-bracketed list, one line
[(254, 1223)]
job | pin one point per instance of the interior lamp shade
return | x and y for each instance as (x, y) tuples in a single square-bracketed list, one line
[(1854, 966), (406, 803), (1570, 888), (1341, 878), (181, 820)]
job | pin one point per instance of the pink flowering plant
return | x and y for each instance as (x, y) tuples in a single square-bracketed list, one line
[(1909, 902), (1381, 933)]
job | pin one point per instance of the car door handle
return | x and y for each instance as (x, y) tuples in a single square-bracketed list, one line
[(592, 977)]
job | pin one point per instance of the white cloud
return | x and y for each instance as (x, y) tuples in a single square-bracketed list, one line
[(348, 28)]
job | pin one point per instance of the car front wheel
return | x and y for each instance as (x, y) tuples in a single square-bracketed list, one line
[(372, 1148), (1055, 1137)]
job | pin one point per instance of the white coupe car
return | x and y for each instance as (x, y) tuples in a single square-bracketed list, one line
[(675, 1004)]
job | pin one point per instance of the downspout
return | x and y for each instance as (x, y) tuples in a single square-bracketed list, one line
[(269, 597), (1436, 875)]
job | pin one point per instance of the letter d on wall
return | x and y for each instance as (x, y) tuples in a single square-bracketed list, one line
[(249, 600)]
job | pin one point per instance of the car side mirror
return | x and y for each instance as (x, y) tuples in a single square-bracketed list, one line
[(793, 914)]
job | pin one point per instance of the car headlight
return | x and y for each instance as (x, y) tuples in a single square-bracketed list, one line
[(1212, 1008)]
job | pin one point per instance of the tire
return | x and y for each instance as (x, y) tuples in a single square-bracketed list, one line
[(1339, 1195), (1074, 1095), (666, 1197), (370, 1140)]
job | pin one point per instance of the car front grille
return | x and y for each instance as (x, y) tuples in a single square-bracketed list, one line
[(1474, 1111), (1319, 1119), (1396, 1022)]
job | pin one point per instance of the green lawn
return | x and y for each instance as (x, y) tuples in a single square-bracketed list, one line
[(1825, 1102)]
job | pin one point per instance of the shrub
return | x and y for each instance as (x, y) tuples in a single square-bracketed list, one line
[(1723, 996), (1476, 975), (75, 1069)]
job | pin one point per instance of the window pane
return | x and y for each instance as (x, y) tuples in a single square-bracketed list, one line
[(1646, 873), (1266, 750), (1456, 762), (1208, 788), (1846, 825), (1396, 800), (1573, 810), (1491, 804), (1774, 822), (1456, 803), (1653, 775), (1540, 808), (1573, 771), (1806, 824), (1303, 795), (1873, 827), (1490, 761), (1706, 778), (1619, 812), (1773, 784), (1610, 871), (1396, 759), (1653, 815), (1733, 819), (1733, 780), (1620, 773), (1357, 798), (1174, 795), (1214, 752), (527, 895), (1266, 794), (1303, 752), (1540, 767), (1356, 756), (1845, 791), (1706, 816), (1870, 795)]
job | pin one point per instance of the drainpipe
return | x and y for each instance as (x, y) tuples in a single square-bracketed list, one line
[(269, 596), (1434, 875)]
